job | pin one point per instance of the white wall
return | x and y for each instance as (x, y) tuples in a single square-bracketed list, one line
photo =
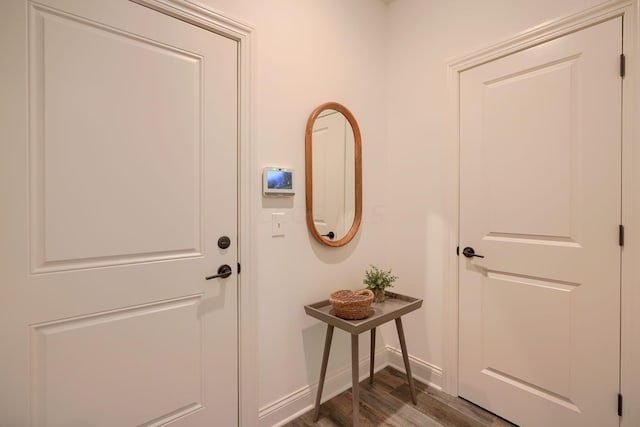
[(309, 52)]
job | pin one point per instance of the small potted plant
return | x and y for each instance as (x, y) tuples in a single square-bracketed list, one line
[(378, 281)]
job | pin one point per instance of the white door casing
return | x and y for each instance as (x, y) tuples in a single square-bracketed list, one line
[(117, 136), (540, 196)]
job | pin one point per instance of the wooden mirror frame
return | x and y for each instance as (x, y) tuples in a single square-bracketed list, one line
[(357, 146)]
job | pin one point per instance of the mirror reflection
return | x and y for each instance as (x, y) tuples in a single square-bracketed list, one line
[(333, 174)]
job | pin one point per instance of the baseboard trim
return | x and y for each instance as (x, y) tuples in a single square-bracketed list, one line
[(302, 400), (293, 405), (422, 371)]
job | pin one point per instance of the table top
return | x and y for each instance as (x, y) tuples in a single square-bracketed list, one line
[(394, 306)]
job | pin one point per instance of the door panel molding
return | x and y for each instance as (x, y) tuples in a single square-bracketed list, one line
[(71, 344), (529, 38), (67, 240)]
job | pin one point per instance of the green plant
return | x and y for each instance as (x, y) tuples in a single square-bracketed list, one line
[(377, 279)]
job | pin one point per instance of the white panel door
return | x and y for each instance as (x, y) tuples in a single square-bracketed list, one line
[(540, 195), (118, 175)]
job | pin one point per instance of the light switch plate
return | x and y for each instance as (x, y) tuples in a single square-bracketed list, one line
[(277, 224)]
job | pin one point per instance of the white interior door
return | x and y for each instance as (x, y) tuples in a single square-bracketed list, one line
[(119, 170), (540, 147)]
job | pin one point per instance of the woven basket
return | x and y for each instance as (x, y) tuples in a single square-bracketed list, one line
[(351, 305)]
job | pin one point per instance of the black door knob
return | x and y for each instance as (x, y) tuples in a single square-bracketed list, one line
[(224, 271), (330, 235), (469, 252)]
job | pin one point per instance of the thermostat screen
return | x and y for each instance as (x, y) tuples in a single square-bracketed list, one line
[(279, 180)]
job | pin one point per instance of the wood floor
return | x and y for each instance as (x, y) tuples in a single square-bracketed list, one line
[(388, 403)]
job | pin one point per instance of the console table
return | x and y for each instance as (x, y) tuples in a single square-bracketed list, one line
[(392, 308)]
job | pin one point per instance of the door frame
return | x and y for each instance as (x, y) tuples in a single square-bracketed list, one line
[(630, 334), (244, 34)]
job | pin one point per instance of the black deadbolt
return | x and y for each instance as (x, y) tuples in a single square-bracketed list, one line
[(224, 242)]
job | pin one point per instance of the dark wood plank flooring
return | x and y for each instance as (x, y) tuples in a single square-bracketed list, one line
[(388, 403)]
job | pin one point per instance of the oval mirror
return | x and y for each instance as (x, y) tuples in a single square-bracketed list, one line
[(333, 175)]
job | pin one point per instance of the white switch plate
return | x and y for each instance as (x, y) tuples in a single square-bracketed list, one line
[(277, 224)]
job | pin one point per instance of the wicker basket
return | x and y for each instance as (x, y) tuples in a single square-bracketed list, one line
[(351, 305)]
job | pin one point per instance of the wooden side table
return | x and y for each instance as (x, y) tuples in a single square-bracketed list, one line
[(393, 308)]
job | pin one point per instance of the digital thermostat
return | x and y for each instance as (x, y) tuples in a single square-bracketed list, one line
[(278, 181)]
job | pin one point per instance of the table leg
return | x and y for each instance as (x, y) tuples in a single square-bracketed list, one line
[(323, 370), (405, 356), (373, 354), (355, 376)]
